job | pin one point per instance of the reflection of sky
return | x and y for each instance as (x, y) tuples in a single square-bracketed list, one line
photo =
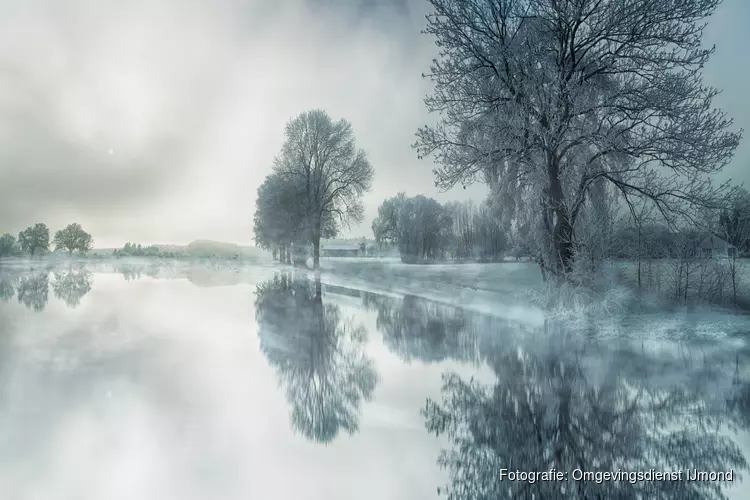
[(161, 392), (158, 389)]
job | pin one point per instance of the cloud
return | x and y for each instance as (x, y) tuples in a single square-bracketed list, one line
[(191, 98)]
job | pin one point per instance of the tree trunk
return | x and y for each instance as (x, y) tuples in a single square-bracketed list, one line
[(563, 243), (318, 287), (733, 270), (560, 230), (316, 251), (639, 256)]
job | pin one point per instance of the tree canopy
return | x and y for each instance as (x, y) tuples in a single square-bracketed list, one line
[(73, 238), (425, 230), (34, 239), (546, 101), (8, 245), (327, 175)]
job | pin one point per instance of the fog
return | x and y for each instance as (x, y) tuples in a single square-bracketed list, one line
[(156, 121)]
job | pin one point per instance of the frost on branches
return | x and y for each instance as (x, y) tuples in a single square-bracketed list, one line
[(544, 99)]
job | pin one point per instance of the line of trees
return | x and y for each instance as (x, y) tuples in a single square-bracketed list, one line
[(554, 104), (35, 240), (315, 187), (696, 261), (137, 250), (425, 230)]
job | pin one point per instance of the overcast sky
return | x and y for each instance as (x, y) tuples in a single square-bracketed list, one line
[(155, 120)]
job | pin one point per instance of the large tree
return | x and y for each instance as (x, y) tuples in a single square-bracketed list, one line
[(321, 158), (280, 219), (34, 239), (545, 99), (73, 238), (278, 216)]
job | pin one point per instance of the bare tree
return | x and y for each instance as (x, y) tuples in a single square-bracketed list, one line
[(321, 157), (541, 99), (734, 227), (641, 213)]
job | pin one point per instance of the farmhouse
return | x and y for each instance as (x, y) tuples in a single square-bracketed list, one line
[(713, 247), (339, 250)]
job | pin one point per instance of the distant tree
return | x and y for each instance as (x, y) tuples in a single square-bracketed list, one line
[(734, 227), (279, 217), (8, 245), (34, 239), (540, 99), (734, 222), (420, 226), (476, 232), (320, 157), (73, 238), (387, 226)]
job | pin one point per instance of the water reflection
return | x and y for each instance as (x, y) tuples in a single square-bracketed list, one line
[(415, 328), (8, 283), (71, 285), (318, 354), (33, 290), (559, 404), (31, 287)]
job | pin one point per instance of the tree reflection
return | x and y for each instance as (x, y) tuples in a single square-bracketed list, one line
[(318, 354), (8, 283), (416, 328), (33, 290), (72, 285), (130, 272), (738, 399), (553, 409)]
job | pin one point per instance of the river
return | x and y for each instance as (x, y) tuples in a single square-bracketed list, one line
[(210, 383)]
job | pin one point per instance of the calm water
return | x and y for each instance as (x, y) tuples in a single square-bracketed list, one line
[(200, 383)]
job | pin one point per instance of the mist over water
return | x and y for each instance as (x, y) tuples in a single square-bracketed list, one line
[(198, 382)]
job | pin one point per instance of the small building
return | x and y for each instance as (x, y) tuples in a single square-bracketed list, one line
[(713, 247), (339, 250)]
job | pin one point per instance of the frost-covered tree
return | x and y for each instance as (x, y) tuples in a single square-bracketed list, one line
[(420, 226), (281, 221), (278, 216), (734, 221), (542, 99), (321, 158)]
